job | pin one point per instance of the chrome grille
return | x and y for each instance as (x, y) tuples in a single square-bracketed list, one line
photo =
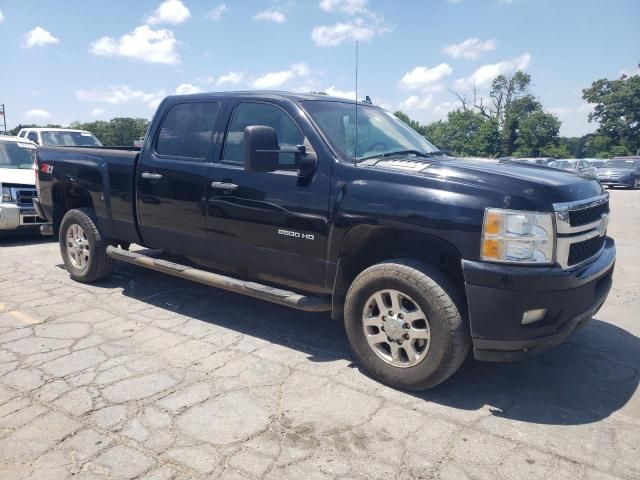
[(25, 197), (585, 216), (581, 251), (581, 227)]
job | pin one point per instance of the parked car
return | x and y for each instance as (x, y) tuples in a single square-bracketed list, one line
[(596, 162), (575, 165), (17, 183), (60, 137), (422, 255), (621, 172)]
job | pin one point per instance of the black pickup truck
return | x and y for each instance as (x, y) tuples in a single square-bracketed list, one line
[(312, 202)]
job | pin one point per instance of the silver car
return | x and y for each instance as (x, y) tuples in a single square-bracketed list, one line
[(575, 165)]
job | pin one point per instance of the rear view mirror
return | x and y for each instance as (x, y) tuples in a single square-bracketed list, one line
[(261, 149)]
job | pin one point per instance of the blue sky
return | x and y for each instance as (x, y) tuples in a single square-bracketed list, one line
[(87, 60)]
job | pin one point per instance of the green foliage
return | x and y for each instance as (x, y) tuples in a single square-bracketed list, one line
[(617, 110), (537, 133), (121, 131)]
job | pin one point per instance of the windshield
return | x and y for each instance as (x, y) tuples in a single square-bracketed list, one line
[(69, 139), (16, 155), (379, 132), (564, 164), (622, 164)]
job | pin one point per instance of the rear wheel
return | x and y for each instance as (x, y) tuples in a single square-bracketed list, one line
[(404, 322), (83, 247)]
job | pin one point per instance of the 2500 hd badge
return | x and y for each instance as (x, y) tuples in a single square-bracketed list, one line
[(294, 234)]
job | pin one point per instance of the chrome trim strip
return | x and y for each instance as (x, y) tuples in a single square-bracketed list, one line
[(581, 204)]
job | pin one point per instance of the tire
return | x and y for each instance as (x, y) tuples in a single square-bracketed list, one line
[(83, 247), (417, 285)]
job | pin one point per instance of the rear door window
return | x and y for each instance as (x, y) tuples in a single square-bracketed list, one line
[(187, 129)]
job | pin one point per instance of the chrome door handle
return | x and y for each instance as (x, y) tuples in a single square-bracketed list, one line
[(151, 176), (226, 186)]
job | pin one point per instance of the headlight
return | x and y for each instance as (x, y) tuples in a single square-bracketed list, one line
[(511, 236), (6, 194)]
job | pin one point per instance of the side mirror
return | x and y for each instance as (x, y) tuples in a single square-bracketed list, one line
[(261, 151)]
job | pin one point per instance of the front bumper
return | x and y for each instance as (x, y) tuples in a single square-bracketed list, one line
[(14, 217), (498, 296)]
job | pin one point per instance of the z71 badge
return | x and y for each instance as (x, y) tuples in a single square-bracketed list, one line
[(294, 234)]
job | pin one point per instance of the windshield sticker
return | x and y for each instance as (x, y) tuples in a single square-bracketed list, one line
[(85, 134)]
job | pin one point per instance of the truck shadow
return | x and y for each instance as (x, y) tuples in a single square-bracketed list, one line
[(586, 379)]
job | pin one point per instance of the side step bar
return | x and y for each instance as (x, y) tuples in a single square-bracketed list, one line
[(251, 289)]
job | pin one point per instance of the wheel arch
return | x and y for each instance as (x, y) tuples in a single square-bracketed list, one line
[(366, 245)]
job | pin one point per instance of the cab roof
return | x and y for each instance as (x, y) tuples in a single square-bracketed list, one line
[(46, 129), (296, 97)]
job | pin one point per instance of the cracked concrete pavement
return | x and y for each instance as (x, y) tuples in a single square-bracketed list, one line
[(146, 376)]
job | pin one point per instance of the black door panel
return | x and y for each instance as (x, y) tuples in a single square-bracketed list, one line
[(173, 180), (272, 224)]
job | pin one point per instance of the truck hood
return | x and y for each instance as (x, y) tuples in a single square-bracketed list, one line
[(521, 185), (22, 176)]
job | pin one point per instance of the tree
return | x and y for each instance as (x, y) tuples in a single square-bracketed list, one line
[(120, 131), (511, 107), (538, 131), (617, 110)]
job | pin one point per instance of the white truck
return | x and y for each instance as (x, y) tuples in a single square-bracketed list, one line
[(18, 185), (59, 137)]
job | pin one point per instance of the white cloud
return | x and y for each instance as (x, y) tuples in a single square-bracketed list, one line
[(187, 88), (119, 95), (217, 12), (358, 29), (585, 108), (348, 6), (628, 73), (144, 43), (470, 49), (278, 79), (231, 78), (1, 16), (39, 37), (334, 92), (271, 15), (98, 112), (37, 114), (170, 11), (425, 78), (484, 75), (442, 109), (559, 110), (415, 102)]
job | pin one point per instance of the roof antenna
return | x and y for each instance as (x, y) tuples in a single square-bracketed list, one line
[(355, 146)]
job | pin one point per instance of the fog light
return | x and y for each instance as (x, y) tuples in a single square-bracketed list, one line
[(532, 316)]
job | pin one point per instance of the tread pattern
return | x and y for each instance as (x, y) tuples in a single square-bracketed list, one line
[(445, 298), (100, 264)]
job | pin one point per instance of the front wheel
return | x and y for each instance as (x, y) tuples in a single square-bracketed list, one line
[(83, 247), (405, 323)]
